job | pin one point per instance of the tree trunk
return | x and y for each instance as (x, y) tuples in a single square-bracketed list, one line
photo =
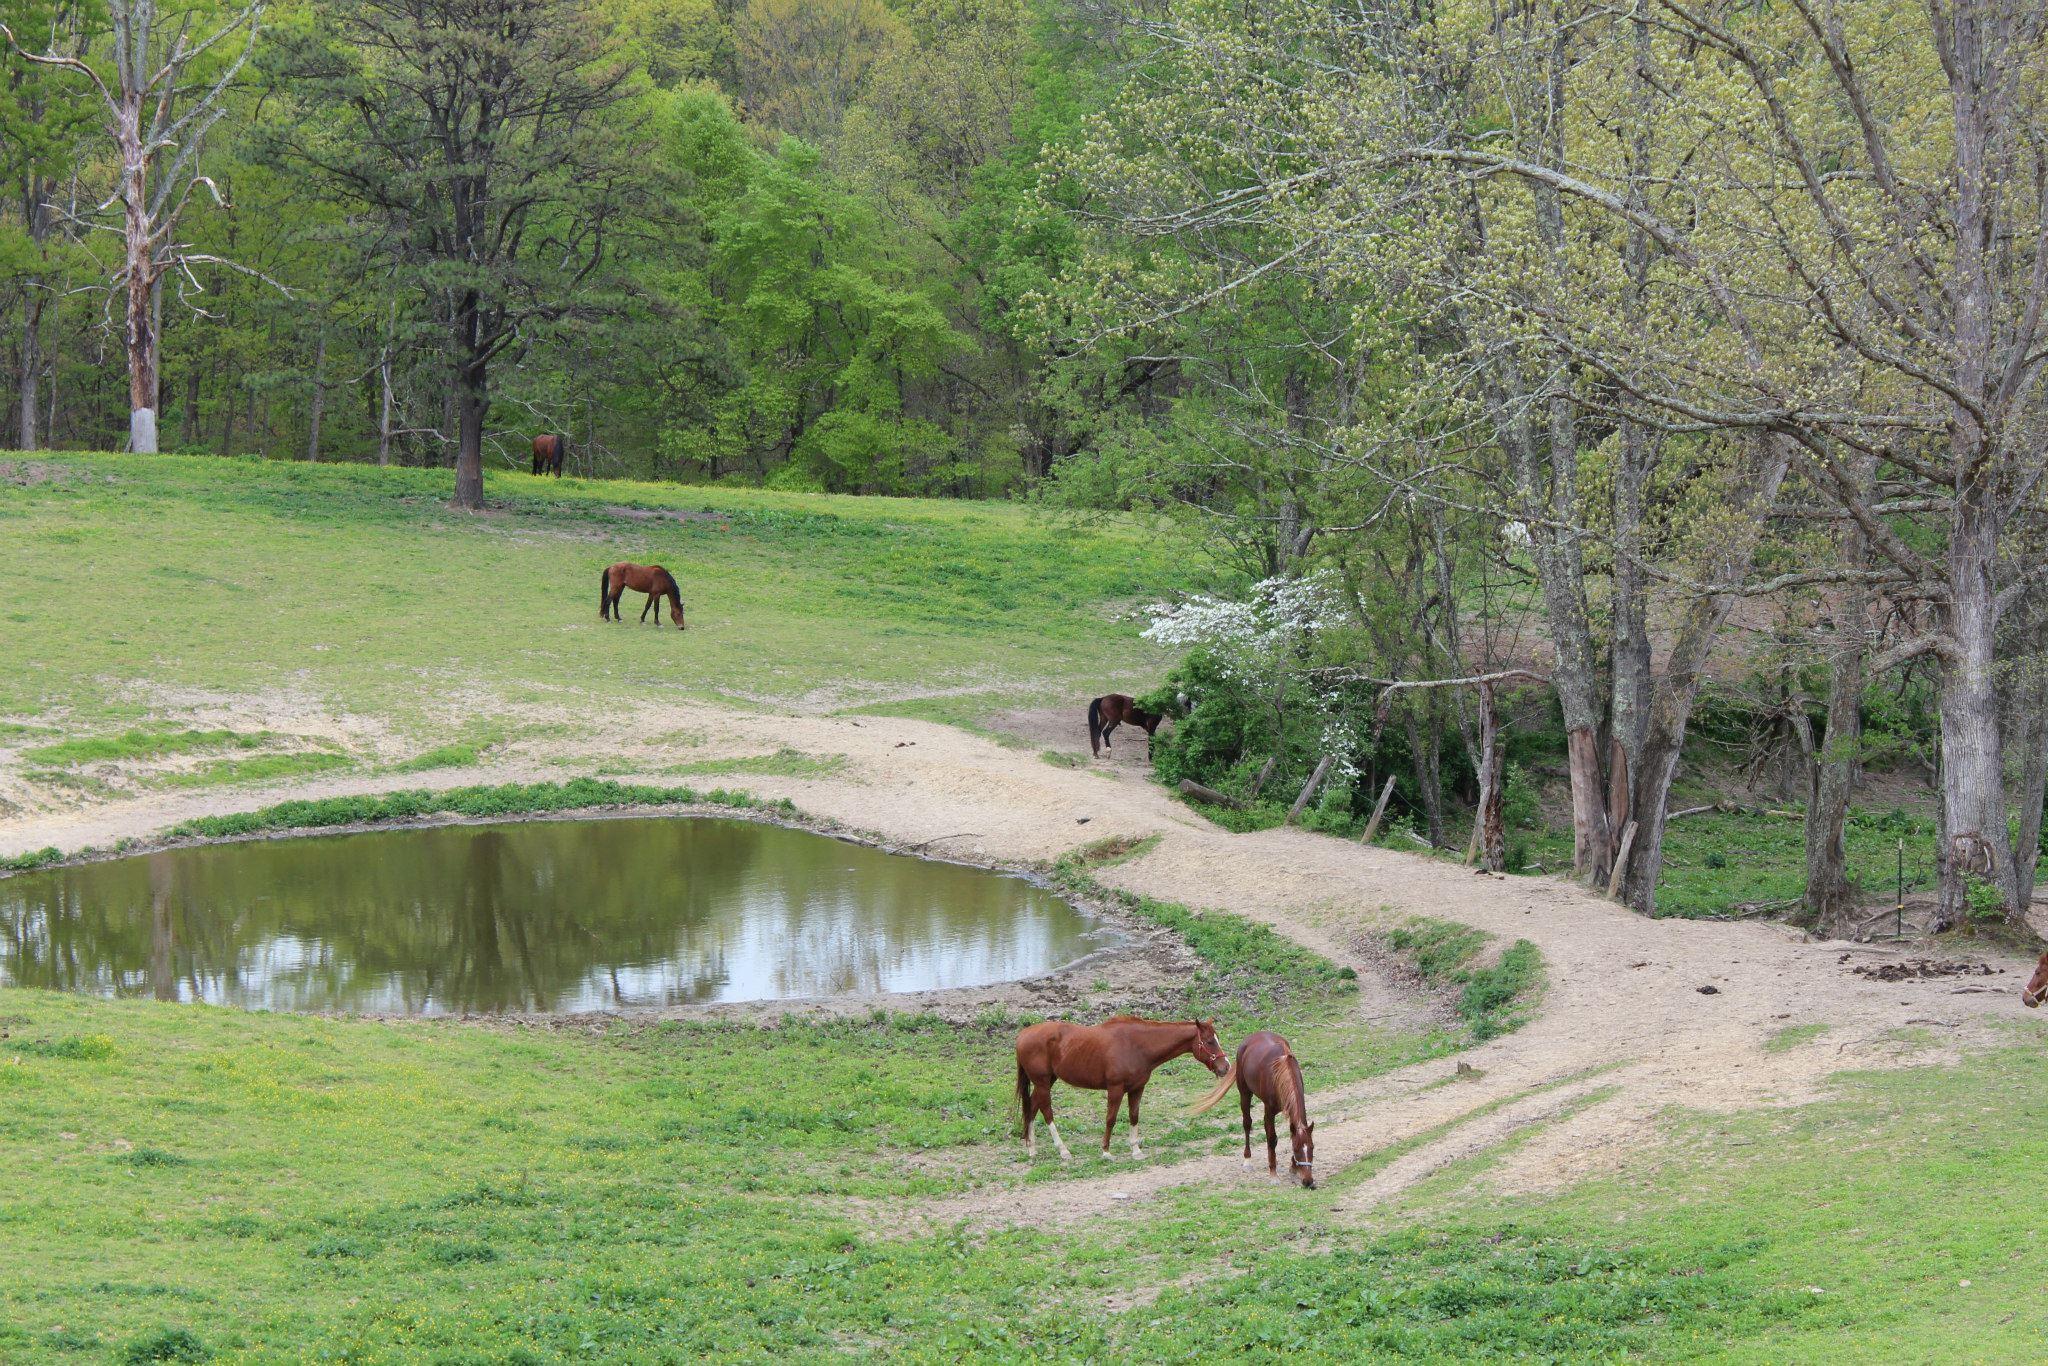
[(471, 401), (1693, 644), (1425, 747), (319, 395), (1492, 830), (1978, 848), (188, 420), (140, 335), (31, 365), (384, 400), (1830, 896)]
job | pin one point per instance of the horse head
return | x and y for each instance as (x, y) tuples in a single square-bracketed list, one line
[(2036, 989), (1304, 1154), (1207, 1050)]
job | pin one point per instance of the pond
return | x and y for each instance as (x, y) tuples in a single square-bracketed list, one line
[(531, 916)]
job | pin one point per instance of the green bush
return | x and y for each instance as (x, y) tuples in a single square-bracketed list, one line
[(166, 1344)]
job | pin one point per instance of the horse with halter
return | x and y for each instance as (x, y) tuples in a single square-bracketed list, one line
[(1266, 1068), (2036, 989), (548, 450), (1111, 710), (1117, 1056), (657, 583)]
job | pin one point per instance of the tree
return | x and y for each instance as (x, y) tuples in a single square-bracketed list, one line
[(41, 121), (166, 90), (486, 147)]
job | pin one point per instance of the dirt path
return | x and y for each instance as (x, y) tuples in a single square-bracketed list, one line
[(1624, 1034)]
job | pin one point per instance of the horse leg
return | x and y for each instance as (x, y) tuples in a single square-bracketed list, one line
[(643, 611), (1116, 1098), (1272, 1146), (1137, 1152), (1042, 1098), (1244, 1103), (1107, 731)]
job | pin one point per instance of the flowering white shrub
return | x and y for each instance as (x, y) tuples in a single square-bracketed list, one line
[(1271, 627), (1264, 642)]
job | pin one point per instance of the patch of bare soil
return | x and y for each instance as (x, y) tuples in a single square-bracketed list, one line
[(28, 473), (1624, 1034)]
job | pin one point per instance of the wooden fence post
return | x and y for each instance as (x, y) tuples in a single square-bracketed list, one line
[(1379, 809), (1315, 780)]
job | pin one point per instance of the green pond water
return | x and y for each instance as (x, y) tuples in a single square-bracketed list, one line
[(538, 915)]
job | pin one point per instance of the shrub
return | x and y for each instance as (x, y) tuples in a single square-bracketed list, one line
[(166, 1344)]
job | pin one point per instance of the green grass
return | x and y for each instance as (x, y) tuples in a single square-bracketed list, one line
[(286, 1188), (1793, 1036), (1492, 999), (783, 763), (459, 755), (358, 588), (143, 743), (507, 799), (1717, 863), (262, 768)]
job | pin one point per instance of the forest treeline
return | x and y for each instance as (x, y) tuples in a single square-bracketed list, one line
[(1632, 357), (790, 241)]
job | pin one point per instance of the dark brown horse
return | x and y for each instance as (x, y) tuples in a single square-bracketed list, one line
[(2036, 989), (1116, 1056), (548, 451), (657, 583), (1111, 710), (1266, 1068)]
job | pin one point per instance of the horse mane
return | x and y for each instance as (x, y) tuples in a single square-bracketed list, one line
[(1286, 1090)]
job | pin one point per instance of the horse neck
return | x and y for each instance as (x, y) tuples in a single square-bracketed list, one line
[(1163, 1039)]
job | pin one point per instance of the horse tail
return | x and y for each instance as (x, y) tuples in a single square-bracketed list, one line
[(604, 589), (561, 453), (1024, 1100), (1095, 726), (1209, 1102)]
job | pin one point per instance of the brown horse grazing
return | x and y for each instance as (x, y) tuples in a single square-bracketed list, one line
[(1116, 1056), (2036, 989), (657, 583), (1111, 710), (548, 451), (1266, 1068)]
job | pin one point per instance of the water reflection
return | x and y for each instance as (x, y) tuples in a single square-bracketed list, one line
[(548, 915)]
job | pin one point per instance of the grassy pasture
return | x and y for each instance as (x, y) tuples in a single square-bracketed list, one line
[(186, 1183), (355, 587), (285, 1189)]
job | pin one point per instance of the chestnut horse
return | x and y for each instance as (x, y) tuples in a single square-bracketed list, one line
[(1116, 1056), (1266, 1068), (548, 451), (2036, 989), (1111, 710), (657, 583)]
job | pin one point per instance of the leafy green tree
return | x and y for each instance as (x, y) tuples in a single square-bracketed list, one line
[(471, 138)]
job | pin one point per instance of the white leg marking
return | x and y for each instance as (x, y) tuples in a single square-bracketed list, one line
[(1136, 1150), (1054, 1130)]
